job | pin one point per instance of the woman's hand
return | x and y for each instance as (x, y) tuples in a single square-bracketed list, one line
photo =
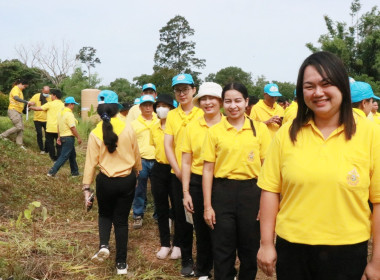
[(266, 259), (87, 195), (209, 216), (188, 202)]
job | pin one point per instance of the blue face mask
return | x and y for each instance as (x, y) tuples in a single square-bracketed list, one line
[(45, 94)]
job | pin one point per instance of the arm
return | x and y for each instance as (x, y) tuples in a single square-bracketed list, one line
[(186, 171), (372, 270), (267, 256), (208, 174), (170, 155), (35, 108), (76, 134)]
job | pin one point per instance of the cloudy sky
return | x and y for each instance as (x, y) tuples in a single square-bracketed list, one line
[(264, 37)]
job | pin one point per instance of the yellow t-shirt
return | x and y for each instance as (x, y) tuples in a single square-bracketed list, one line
[(176, 123), (157, 140), (262, 112), (193, 141), (360, 113), (324, 183), (13, 104), (376, 117), (237, 154), (142, 127), (66, 120), (39, 116), (121, 162), (290, 112), (53, 108)]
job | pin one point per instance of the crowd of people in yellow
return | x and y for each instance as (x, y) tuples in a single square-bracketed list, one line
[(292, 189)]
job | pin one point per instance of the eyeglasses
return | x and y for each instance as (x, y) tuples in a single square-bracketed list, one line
[(183, 90)]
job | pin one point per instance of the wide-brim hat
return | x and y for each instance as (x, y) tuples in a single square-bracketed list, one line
[(208, 89)]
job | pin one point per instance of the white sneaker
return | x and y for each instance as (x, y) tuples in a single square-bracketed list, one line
[(101, 255), (121, 268), (163, 253), (204, 278), (176, 253), (42, 152)]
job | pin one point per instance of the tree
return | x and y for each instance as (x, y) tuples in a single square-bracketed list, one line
[(175, 51), (86, 56), (126, 91), (55, 61), (161, 78)]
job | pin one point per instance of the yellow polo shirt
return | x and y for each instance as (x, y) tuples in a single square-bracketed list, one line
[(53, 108), (121, 162), (290, 113), (39, 116), (262, 112), (66, 120), (13, 104), (157, 140), (193, 141), (376, 117), (325, 184), (237, 154), (176, 123), (142, 127)]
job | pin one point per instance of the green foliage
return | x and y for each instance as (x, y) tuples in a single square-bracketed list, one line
[(175, 51), (4, 103), (286, 89), (161, 78), (87, 56), (126, 91), (72, 86)]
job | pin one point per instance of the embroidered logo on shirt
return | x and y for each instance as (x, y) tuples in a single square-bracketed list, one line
[(353, 177), (251, 156)]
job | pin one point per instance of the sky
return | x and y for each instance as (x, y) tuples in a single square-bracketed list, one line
[(263, 37)]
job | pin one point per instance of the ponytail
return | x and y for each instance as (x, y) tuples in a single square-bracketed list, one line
[(106, 112)]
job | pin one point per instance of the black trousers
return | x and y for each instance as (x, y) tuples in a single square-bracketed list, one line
[(52, 146), (39, 125), (183, 229), (115, 196), (320, 262), (202, 231), (161, 190), (236, 205)]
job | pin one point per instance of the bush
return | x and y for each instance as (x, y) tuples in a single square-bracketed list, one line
[(4, 103)]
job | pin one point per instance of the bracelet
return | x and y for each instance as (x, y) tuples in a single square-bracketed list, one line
[(185, 190), (207, 209)]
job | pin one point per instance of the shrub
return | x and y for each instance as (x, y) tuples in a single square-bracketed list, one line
[(4, 102)]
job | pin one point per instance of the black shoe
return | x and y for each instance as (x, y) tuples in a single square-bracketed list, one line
[(187, 268)]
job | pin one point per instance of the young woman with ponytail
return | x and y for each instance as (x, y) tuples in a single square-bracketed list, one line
[(112, 146)]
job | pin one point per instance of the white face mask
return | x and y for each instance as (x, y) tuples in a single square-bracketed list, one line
[(162, 112), (45, 94)]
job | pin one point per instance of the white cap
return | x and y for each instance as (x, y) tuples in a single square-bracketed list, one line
[(210, 89)]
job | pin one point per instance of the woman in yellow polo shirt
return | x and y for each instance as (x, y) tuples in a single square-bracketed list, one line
[(233, 152), (325, 165), (112, 146), (209, 99)]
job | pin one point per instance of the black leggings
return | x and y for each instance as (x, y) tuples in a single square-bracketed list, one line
[(115, 196)]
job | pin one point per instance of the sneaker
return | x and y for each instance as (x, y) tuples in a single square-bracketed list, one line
[(176, 253), (50, 175), (75, 175), (4, 138), (163, 253), (187, 268), (101, 255), (137, 223), (204, 278), (121, 268), (42, 153), (23, 147)]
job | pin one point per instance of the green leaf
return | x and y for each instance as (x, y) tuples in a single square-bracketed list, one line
[(44, 214), (36, 203), (28, 214)]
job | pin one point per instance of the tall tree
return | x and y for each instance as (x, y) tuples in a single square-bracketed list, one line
[(175, 50), (161, 78), (87, 56)]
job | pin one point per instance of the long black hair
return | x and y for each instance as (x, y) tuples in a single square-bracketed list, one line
[(331, 68), (106, 112)]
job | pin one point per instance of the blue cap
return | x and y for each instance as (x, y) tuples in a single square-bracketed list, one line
[(70, 100), (149, 86), (182, 79), (361, 91), (108, 97), (137, 101), (272, 90), (146, 98)]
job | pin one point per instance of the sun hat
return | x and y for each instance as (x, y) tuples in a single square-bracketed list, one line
[(165, 98), (182, 79), (108, 97), (210, 89), (272, 90), (70, 100), (149, 86), (361, 91), (146, 98)]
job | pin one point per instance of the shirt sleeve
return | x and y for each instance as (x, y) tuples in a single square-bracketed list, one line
[(169, 124), (209, 148), (135, 149), (92, 159), (46, 106), (70, 120)]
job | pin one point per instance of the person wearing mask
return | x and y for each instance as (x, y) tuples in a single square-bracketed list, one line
[(176, 122), (112, 146), (67, 133), (16, 105), (39, 117), (209, 99), (134, 112), (142, 126), (233, 152), (267, 110), (325, 165), (160, 178)]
